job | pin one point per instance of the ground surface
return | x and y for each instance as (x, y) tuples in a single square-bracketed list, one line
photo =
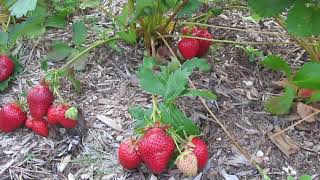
[(89, 152)]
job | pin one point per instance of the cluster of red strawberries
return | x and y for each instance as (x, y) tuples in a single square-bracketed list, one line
[(192, 47), (156, 148), (6, 67), (40, 101)]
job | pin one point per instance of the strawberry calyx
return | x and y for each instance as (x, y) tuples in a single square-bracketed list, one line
[(72, 113)]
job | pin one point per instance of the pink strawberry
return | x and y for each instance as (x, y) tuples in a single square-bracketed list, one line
[(204, 45), (61, 114), (11, 117), (128, 155), (200, 149), (6, 67), (188, 47), (39, 100), (187, 163), (39, 126), (156, 148)]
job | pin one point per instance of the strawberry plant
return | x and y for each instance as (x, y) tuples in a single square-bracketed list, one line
[(301, 84), (301, 21)]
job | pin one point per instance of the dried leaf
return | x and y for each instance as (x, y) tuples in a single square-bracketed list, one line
[(110, 122), (305, 111), (284, 143), (64, 162)]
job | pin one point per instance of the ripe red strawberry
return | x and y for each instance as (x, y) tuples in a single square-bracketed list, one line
[(185, 30), (156, 148), (199, 148), (6, 67), (59, 114), (306, 93), (204, 45), (39, 100), (11, 117), (39, 126), (187, 163), (188, 47), (128, 155)]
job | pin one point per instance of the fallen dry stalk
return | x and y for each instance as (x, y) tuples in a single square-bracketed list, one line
[(317, 111)]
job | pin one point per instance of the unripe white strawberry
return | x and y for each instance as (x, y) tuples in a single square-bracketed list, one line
[(187, 163)]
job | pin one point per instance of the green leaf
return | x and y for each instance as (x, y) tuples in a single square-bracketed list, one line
[(315, 97), (277, 63), (140, 116), (29, 27), (269, 8), (130, 36), (89, 4), (3, 38), (123, 18), (282, 104), (173, 116), (174, 64), (201, 93), (44, 64), (308, 76), (176, 84), (57, 21), (79, 32), (305, 177), (303, 20), (149, 81), (74, 81), (200, 63), (290, 178), (189, 8), (80, 63), (4, 85), (59, 51), (21, 7), (145, 7), (251, 52)]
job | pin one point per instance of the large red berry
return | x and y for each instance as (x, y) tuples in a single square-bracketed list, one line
[(200, 149), (204, 44), (188, 47), (128, 155), (11, 117), (39, 100), (6, 67), (39, 126), (156, 148), (57, 114)]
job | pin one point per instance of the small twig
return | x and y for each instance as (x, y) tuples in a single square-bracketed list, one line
[(295, 124), (33, 48)]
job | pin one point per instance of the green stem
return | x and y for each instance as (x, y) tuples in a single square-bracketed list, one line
[(184, 2), (7, 25), (98, 43), (155, 109), (131, 13)]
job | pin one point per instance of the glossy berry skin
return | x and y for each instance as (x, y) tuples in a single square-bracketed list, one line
[(187, 163), (128, 155), (40, 98), (11, 117), (188, 48), (56, 114), (200, 149), (39, 126), (204, 45), (6, 67), (156, 148)]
